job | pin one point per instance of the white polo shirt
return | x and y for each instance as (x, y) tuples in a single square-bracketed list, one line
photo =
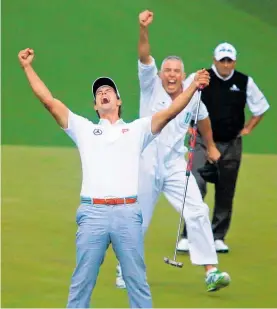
[(154, 98), (255, 99), (109, 154)]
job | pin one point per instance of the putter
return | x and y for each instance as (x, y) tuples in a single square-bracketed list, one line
[(192, 142)]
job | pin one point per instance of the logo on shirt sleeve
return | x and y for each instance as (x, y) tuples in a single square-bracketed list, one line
[(97, 132)]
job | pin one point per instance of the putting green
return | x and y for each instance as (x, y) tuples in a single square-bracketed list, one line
[(40, 188)]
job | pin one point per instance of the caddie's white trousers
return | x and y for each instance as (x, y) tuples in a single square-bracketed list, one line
[(169, 177)]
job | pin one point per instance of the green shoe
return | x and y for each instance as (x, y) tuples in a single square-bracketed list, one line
[(217, 280)]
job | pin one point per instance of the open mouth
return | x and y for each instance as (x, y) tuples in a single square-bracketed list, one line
[(171, 82), (105, 100)]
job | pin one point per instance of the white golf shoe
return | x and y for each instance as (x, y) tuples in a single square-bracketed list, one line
[(220, 246), (119, 282), (183, 245)]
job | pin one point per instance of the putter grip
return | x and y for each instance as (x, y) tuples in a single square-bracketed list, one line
[(201, 87)]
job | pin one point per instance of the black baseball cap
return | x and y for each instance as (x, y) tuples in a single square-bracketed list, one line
[(104, 81)]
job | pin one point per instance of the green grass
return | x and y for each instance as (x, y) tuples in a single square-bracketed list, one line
[(76, 41), (263, 9), (40, 188)]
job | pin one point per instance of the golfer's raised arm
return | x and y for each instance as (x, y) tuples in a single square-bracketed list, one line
[(145, 19), (160, 119), (57, 109)]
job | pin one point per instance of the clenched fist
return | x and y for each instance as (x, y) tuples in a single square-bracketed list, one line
[(202, 78), (146, 18), (26, 57)]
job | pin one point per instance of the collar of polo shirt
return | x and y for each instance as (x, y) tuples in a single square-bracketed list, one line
[(106, 121), (219, 76)]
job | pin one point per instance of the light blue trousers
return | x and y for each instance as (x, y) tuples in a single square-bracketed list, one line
[(98, 226)]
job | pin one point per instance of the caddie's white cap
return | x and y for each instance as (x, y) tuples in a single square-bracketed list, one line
[(104, 81), (225, 50)]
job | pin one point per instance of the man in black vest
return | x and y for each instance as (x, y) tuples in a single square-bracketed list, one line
[(225, 98)]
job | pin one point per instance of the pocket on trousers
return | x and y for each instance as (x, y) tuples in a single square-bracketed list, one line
[(80, 213), (138, 214)]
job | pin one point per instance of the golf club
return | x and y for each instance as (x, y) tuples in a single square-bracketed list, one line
[(192, 142)]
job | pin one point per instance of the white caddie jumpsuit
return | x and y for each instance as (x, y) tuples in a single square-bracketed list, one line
[(162, 167)]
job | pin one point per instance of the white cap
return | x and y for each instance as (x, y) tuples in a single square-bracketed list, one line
[(225, 50)]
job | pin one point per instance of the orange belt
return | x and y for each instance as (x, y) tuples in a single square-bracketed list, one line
[(109, 201), (114, 201)]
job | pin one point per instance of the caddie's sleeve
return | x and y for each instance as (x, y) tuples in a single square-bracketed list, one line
[(255, 99), (148, 75)]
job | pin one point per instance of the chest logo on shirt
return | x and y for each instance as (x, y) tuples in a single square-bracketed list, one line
[(125, 130), (234, 88), (187, 117), (97, 132)]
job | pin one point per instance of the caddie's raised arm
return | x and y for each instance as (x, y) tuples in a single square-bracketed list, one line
[(57, 109), (160, 119), (145, 19)]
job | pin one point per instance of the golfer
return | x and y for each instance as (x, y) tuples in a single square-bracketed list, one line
[(109, 211), (229, 92)]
